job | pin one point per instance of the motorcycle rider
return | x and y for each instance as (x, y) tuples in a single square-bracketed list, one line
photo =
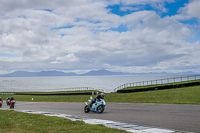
[(12, 98), (8, 101), (12, 102), (1, 102), (97, 98)]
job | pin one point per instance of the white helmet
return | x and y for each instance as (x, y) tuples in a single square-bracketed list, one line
[(102, 95)]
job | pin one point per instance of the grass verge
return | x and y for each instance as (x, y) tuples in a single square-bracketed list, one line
[(186, 95), (148, 86), (18, 122)]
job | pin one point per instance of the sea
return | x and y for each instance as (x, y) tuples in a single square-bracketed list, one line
[(64, 83)]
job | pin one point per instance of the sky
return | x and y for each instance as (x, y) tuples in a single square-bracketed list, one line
[(137, 36)]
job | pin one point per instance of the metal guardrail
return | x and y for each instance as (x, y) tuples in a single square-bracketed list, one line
[(65, 89), (77, 89), (7, 93), (159, 81)]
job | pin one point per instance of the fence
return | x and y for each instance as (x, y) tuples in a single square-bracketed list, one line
[(60, 89), (159, 81), (7, 93), (77, 89)]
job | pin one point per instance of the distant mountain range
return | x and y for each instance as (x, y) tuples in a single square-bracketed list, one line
[(59, 73)]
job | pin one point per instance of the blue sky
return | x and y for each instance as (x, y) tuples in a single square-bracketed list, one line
[(83, 35), (172, 8), (7, 55)]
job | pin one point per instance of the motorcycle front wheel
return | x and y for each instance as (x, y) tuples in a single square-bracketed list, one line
[(87, 109), (12, 106), (100, 109)]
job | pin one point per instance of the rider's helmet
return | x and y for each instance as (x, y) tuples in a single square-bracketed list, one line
[(102, 95)]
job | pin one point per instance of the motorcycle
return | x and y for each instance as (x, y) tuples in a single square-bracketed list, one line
[(12, 104), (98, 106), (1, 102), (8, 101)]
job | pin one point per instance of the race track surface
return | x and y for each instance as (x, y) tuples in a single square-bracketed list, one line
[(168, 116)]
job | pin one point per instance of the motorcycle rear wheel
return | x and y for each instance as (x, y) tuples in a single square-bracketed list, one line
[(87, 109)]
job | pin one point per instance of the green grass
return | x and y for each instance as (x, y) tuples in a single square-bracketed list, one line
[(58, 92), (18, 122), (50, 98), (187, 95), (146, 86), (53, 98)]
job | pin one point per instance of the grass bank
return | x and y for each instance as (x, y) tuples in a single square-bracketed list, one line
[(18, 122), (158, 85), (186, 95)]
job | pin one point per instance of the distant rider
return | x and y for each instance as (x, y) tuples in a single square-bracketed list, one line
[(1, 102), (8, 101), (12, 98), (97, 98)]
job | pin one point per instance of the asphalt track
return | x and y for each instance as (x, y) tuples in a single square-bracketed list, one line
[(180, 117)]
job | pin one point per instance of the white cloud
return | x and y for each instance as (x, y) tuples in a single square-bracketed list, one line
[(66, 58), (189, 11), (77, 35), (192, 9), (159, 5)]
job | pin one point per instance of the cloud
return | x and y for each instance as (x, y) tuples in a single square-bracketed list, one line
[(65, 58), (78, 35), (189, 11), (138, 5)]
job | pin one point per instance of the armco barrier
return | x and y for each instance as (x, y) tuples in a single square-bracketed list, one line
[(158, 81), (45, 94), (7, 93), (160, 87)]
